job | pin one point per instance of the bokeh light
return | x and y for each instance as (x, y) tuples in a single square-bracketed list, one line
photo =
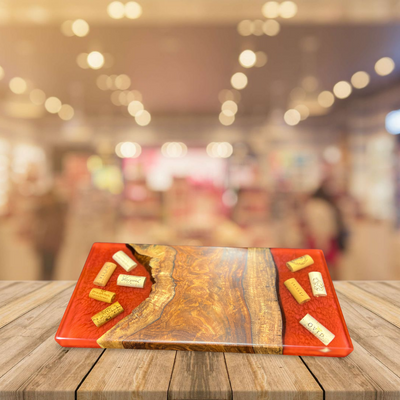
[(360, 80), (80, 28), (53, 105), (245, 27), (270, 9), (239, 80), (135, 107), (303, 110), (384, 66), (133, 10), (116, 10), (271, 27), (261, 59), (219, 150), (122, 82), (292, 117), (247, 58), (143, 118), (95, 60), (66, 112), (174, 149), (18, 85), (37, 96), (229, 107), (326, 99), (342, 90), (287, 9), (226, 119)]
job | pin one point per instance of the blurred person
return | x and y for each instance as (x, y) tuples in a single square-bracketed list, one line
[(324, 226), (46, 230)]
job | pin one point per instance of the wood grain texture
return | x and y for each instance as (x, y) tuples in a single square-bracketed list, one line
[(133, 374), (225, 301), (375, 334), (49, 372), (14, 290), (384, 308), (15, 308), (261, 376), (20, 337), (383, 290), (199, 375)]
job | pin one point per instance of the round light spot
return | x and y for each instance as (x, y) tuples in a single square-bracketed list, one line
[(287, 9), (81, 60), (133, 10), (80, 27), (174, 149), (239, 80), (270, 9), (261, 59), (258, 27), (135, 107), (116, 10), (245, 27), (129, 150), (219, 150), (226, 119), (360, 80), (18, 85), (310, 83), (271, 27), (230, 106), (53, 105), (292, 117), (384, 66), (122, 82), (95, 60), (143, 118), (332, 154), (326, 99), (247, 58), (342, 90), (303, 110), (37, 96), (66, 28), (101, 82), (115, 98), (66, 112), (93, 163)]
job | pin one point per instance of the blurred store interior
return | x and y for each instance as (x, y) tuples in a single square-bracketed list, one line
[(199, 122)]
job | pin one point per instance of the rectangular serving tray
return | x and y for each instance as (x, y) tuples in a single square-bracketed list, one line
[(206, 299)]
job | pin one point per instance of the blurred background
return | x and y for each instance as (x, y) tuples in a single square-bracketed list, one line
[(201, 122)]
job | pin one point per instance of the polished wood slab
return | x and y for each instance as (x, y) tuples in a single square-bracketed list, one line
[(34, 366)]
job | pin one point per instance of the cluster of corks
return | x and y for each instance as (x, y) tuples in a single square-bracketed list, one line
[(301, 296), (102, 279)]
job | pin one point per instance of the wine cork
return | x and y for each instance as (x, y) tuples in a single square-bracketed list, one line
[(105, 273), (300, 263), (131, 281), (102, 295), (317, 329), (317, 284), (107, 314), (297, 291), (124, 261)]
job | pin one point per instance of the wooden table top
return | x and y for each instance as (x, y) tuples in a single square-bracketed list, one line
[(34, 366)]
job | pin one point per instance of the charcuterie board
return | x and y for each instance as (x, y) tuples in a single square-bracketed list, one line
[(248, 300)]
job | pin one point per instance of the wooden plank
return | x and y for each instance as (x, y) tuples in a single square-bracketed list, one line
[(375, 334), (199, 375), (381, 289), (23, 335), (49, 372), (377, 305), (129, 374), (20, 306), (357, 376), (14, 290), (261, 376)]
